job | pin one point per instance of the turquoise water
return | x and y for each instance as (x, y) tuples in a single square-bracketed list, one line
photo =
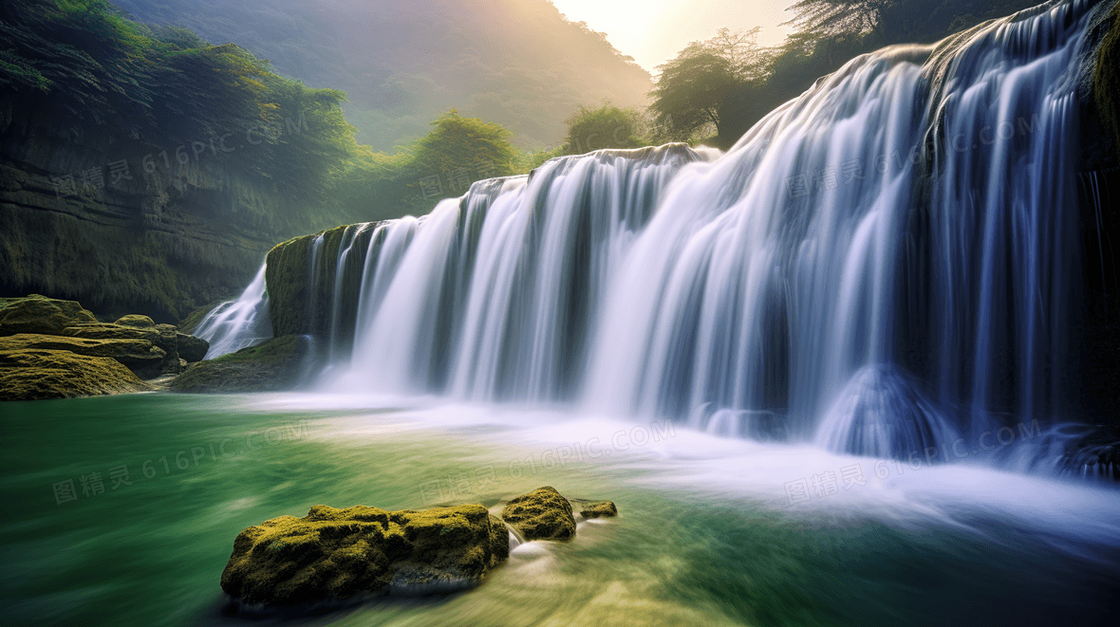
[(707, 532)]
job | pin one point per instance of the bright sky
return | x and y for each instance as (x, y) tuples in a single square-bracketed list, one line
[(654, 31)]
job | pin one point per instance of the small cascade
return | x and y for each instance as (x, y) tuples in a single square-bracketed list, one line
[(238, 324)]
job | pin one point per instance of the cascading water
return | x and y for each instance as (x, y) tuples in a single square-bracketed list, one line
[(239, 323), (881, 265)]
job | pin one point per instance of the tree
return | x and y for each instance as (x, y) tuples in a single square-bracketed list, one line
[(459, 144), (695, 87), (606, 126), (839, 18)]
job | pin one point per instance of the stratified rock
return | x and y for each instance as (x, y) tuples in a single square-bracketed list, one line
[(162, 336), (267, 367), (140, 356), (39, 314), (333, 554), (543, 514), (191, 348), (35, 374), (595, 509)]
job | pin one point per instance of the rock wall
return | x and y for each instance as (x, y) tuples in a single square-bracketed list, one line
[(122, 225)]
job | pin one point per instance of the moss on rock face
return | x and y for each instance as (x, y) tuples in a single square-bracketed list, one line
[(42, 315), (334, 554), (286, 275), (543, 514), (36, 374), (301, 303), (145, 360), (267, 367), (1106, 80), (162, 336)]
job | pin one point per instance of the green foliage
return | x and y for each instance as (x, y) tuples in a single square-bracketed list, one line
[(520, 63), (458, 151), (606, 126), (81, 60), (458, 143), (693, 89)]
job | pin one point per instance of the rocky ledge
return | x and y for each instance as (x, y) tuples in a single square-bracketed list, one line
[(271, 366), (334, 555), (53, 348)]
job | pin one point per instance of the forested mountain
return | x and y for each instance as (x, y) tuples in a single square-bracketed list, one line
[(519, 63)]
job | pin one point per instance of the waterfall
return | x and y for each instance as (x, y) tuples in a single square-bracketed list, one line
[(885, 263), (237, 324)]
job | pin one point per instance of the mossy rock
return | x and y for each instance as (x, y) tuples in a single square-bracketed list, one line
[(543, 514), (595, 509), (140, 356), (274, 365), (286, 270), (40, 315), (36, 374), (163, 336), (335, 554), (136, 321)]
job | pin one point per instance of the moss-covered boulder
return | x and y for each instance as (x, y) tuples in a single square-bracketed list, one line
[(334, 554), (267, 367), (140, 356), (41, 315), (595, 509), (543, 514), (36, 374), (136, 321)]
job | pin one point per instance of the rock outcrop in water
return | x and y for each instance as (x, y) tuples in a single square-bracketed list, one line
[(595, 509), (56, 349), (543, 514), (334, 554)]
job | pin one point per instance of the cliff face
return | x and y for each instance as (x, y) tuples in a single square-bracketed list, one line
[(313, 287), (122, 225)]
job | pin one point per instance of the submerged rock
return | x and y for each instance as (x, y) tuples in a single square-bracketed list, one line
[(543, 514), (335, 554), (271, 366), (36, 374), (595, 509)]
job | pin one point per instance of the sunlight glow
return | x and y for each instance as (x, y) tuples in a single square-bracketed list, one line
[(654, 31)]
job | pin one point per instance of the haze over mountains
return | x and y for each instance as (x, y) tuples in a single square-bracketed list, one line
[(520, 63)]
